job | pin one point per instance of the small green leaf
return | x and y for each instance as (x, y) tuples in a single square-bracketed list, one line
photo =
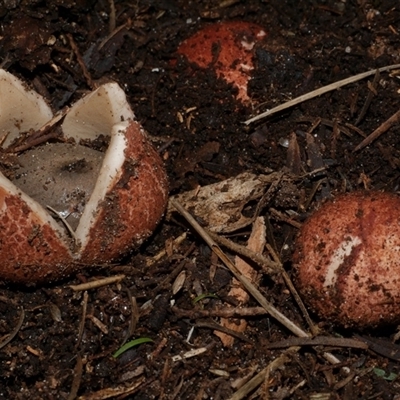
[(131, 344), (204, 296), (380, 372)]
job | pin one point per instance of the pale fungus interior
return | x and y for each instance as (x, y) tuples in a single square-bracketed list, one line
[(64, 184), (110, 171), (20, 109), (60, 176)]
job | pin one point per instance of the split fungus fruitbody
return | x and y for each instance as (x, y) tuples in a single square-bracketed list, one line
[(228, 48), (347, 259), (115, 207)]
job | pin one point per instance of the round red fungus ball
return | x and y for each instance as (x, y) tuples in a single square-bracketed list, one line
[(347, 259)]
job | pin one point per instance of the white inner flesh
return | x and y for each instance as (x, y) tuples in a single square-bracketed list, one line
[(40, 213), (20, 109), (102, 112), (109, 174), (96, 113), (344, 250)]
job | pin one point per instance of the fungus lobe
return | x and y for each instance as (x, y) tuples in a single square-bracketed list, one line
[(347, 259), (94, 206), (228, 48)]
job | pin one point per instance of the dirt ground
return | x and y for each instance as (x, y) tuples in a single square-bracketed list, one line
[(65, 340)]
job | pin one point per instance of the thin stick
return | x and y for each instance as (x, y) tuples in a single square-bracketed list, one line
[(394, 119), (318, 92), (253, 383), (76, 382), (224, 329), (112, 23), (319, 341), (65, 222), (244, 281), (41, 135), (81, 63), (113, 33), (227, 312), (269, 267), (293, 291), (12, 335), (284, 218), (82, 323), (369, 98), (97, 283)]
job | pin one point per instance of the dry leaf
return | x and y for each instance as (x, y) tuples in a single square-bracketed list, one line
[(220, 205), (256, 243)]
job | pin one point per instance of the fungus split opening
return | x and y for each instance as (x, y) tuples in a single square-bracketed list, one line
[(59, 175), (110, 207), (62, 176)]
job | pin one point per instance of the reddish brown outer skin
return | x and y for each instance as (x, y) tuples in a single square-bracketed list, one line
[(367, 291), (134, 207), (29, 251), (219, 46)]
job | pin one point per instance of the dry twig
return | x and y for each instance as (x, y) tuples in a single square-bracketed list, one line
[(226, 312), (279, 362), (394, 119), (319, 341), (319, 92), (76, 382), (12, 335), (81, 63), (82, 323), (371, 93), (97, 283)]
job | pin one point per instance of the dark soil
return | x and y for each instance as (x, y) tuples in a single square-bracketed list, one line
[(310, 44)]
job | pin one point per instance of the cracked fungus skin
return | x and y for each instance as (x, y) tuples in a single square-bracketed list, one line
[(33, 249), (347, 259), (25, 236), (130, 212)]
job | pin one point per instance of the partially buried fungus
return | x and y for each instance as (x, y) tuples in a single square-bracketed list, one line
[(68, 205), (347, 260), (227, 48)]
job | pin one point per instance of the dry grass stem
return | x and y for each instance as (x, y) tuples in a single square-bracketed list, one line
[(12, 335), (293, 291), (263, 261), (97, 283), (109, 393), (394, 119), (226, 312), (255, 382), (269, 267), (190, 354), (76, 382), (82, 323), (319, 341), (175, 243), (320, 91)]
